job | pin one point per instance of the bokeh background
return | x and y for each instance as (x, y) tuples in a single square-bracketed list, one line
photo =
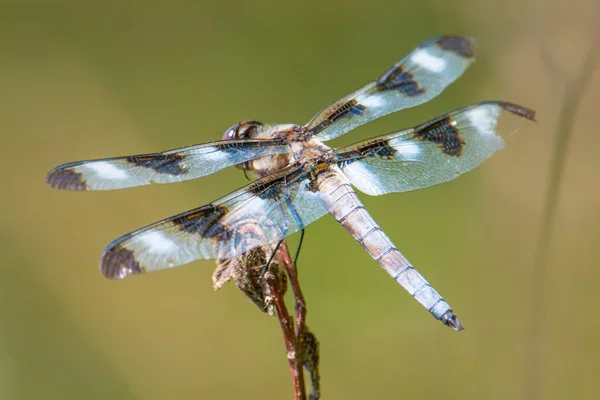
[(81, 79)]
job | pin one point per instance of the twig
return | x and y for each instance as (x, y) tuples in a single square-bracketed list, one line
[(574, 90), (267, 290), (307, 346), (294, 354), (300, 305)]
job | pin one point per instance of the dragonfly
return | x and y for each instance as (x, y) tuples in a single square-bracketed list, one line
[(299, 178)]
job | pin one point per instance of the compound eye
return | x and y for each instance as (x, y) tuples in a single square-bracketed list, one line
[(232, 132), (247, 129)]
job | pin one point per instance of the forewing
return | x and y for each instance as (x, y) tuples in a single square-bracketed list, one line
[(435, 152), (258, 214), (166, 167), (419, 77)]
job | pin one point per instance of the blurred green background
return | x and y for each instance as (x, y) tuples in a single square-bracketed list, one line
[(84, 80)]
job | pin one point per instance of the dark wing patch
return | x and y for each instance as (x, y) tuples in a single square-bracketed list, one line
[(66, 179), (396, 78), (345, 111), (278, 205), (417, 78), (457, 45), (170, 164), (203, 221), (120, 262), (379, 148), (166, 167), (443, 132), (434, 152)]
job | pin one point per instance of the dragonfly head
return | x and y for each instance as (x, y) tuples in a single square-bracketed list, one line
[(243, 130)]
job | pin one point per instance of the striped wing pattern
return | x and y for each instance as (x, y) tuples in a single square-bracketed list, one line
[(432, 153), (166, 167), (280, 204), (419, 77)]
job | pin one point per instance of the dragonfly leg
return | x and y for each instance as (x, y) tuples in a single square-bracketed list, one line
[(297, 253), (266, 267)]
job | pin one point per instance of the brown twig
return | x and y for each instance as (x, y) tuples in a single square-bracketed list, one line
[(266, 289), (268, 293), (307, 346), (300, 305), (302, 346), (292, 344), (574, 89)]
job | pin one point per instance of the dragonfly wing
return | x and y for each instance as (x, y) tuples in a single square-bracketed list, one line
[(165, 167), (434, 152), (261, 213), (419, 77)]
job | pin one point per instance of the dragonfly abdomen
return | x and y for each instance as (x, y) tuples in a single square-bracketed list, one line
[(346, 208)]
